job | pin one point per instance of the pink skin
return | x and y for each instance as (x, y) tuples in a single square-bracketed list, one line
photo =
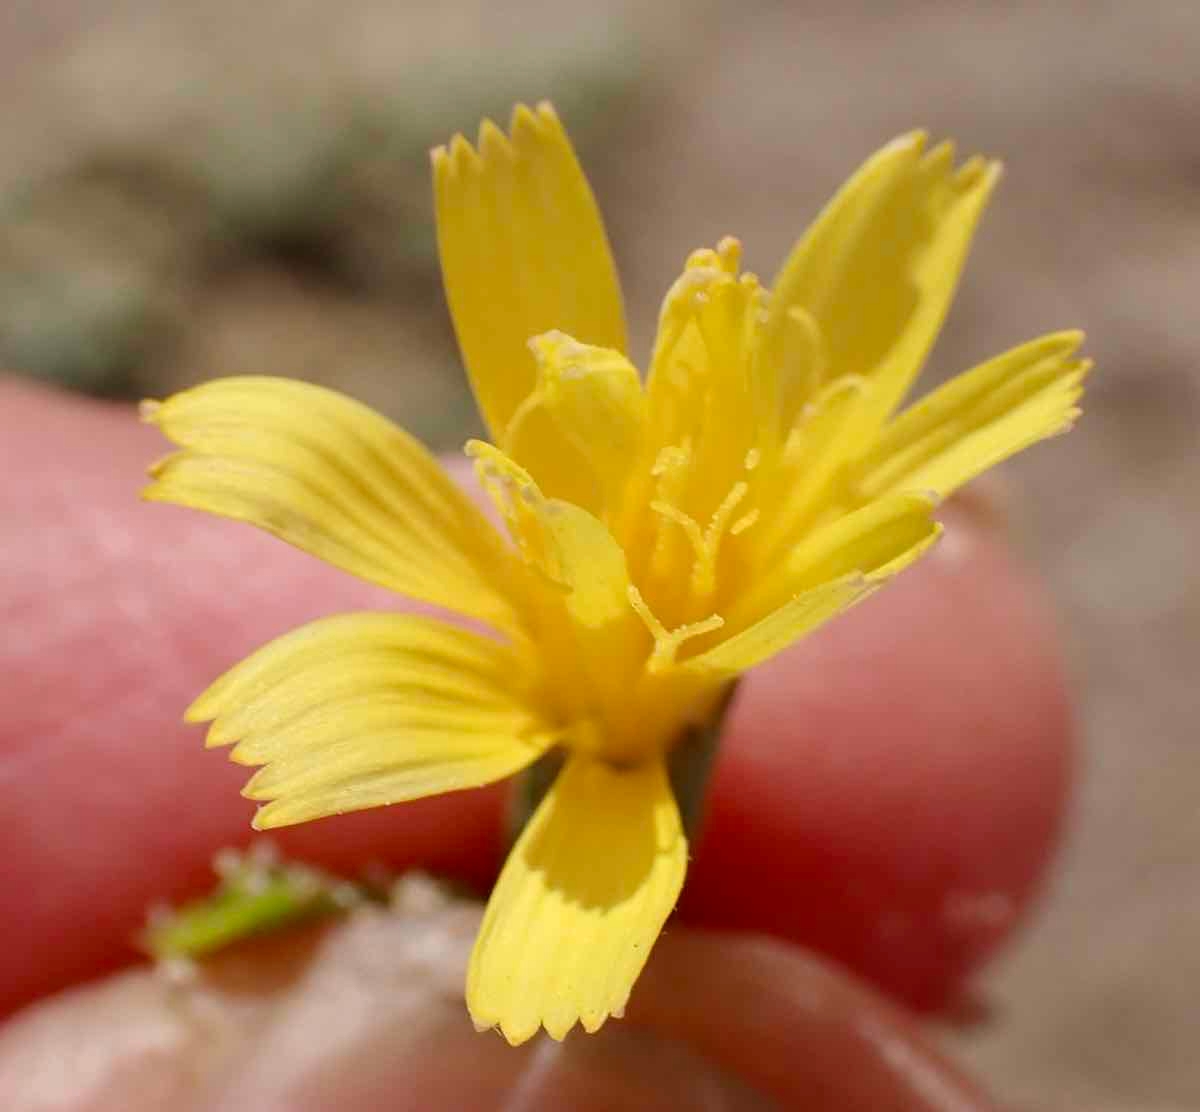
[(888, 792), (369, 1015), (890, 789)]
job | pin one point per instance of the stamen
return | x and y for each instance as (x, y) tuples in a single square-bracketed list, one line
[(721, 514), (657, 630), (704, 573), (689, 525), (667, 642), (705, 543)]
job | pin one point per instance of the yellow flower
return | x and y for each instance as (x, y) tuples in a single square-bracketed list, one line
[(666, 535)]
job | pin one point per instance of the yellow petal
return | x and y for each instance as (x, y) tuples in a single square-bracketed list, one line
[(781, 628), (706, 385), (580, 902), (523, 251), (580, 431), (878, 269), (336, 479), (830, 571), (821, 445), (978, 419), (791, 344), (367, 709)]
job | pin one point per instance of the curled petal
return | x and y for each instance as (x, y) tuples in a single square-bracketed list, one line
[(590, 640), (367, 709), (580, 430), (339, 481)]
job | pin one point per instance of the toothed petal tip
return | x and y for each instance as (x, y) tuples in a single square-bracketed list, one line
[(592, 1023), (909, 142), (199, 713), (490, 135), (463, 156), (559, 1030), (522, 117), (249, 791)]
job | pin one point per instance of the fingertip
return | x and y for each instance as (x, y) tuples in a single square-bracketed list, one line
[(813, 1038), (116, 614), (890, 791), (352, 1015)]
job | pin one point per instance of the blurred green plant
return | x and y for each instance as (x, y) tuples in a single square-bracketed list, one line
[(256, 894)]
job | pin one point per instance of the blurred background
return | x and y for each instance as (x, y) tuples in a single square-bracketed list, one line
[(197, 188)]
